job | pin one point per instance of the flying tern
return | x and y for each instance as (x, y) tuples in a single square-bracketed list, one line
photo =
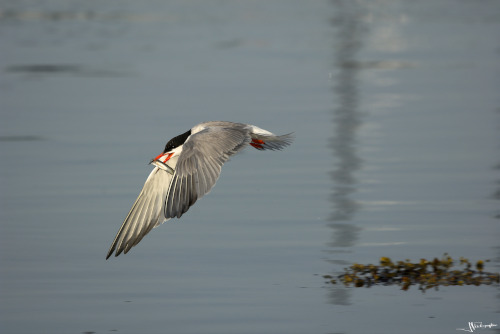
[(186, 170)]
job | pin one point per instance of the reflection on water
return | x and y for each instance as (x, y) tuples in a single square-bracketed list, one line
[(21, 138), (496, 193), (80, 14), (347, 119), (43, 68), (339, 296), (378, 64), (353, 36), (66, 69)]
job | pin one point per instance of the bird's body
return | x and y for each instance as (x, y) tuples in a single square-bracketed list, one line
[(186, 170)]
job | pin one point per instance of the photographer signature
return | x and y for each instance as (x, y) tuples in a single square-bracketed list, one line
[(473, 325)]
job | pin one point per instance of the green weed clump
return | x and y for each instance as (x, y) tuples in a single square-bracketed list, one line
[(426, 274)]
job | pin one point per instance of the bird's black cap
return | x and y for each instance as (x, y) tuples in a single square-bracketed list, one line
[(177, 141)]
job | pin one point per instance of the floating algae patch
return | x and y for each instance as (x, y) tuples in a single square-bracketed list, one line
[(424, 274)]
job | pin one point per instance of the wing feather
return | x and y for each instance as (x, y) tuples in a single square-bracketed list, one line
[(199, 165), (145, 214), (273, 142)]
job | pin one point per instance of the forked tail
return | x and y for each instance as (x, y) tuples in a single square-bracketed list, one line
[(271, 141)]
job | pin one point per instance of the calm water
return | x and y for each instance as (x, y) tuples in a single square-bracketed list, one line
[(395, 107)]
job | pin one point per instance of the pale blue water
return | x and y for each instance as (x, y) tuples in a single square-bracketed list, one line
[(395, 108)]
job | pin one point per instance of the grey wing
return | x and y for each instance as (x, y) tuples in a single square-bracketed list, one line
[(199, 165), (146, 213)]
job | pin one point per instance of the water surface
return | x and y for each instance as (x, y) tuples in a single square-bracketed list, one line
[(395, 110)]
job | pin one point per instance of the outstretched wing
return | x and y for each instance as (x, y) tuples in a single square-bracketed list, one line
[(200, 163), (146, 213)]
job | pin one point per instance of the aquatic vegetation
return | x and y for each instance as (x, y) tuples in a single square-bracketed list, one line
[(425, 274)]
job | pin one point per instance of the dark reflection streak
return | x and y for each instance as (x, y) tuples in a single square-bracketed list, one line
[(65, 69), (497, 263), (44, 68), (20, 138), (347, 119), (496, 194)]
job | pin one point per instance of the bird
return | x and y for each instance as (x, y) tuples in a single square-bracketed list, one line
[(185, 171)]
